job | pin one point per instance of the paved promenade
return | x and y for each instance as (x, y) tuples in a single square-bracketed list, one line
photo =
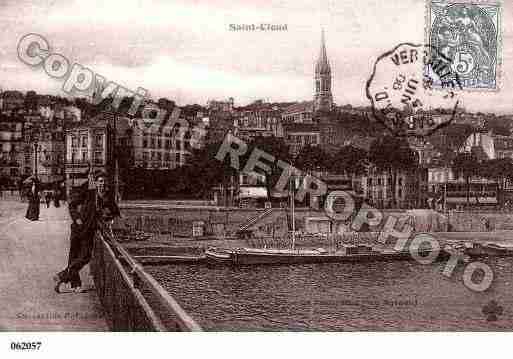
[(30, 254)]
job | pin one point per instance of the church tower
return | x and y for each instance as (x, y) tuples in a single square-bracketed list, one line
[(323, 100)]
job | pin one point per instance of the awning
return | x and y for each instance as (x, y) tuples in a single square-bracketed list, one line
[(253, 192)]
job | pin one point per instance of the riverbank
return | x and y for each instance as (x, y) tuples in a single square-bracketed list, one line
[(166, 246)]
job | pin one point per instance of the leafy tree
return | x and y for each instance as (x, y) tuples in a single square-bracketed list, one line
[(166, 104), (392, 154), (192, 110), (30, 100), (203, 171), (350, 161), (312, 158), (275, 147), (467, 166)]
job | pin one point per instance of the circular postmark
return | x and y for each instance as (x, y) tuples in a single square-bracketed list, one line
[(412, 90)]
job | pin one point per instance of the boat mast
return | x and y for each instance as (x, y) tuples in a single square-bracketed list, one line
[(292, 192)]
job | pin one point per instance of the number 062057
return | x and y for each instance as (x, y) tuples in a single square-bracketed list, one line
[(25, 345)]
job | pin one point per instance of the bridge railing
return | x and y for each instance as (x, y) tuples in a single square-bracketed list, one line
[(132, 299)]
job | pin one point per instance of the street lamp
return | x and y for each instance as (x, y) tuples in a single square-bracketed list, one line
[(445, 188), (292, 190), (36, 148), (35, 158), (72, 172)]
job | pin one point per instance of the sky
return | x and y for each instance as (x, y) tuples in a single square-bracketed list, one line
[(185, 51)]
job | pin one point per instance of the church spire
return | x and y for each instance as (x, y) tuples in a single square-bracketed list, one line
[(322, 65), (323, 99)]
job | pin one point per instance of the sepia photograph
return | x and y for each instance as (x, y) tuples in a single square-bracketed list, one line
[(255, 167)]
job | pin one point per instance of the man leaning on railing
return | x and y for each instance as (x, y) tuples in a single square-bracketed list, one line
[(90, 209)]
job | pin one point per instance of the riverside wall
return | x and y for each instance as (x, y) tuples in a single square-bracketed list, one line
[(178, 220)]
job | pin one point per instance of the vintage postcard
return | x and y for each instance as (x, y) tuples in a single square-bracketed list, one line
[(291, 166)]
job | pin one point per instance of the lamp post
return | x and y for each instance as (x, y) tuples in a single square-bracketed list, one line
[(445, 195), (292, 189), (72, 169), (36, 147)]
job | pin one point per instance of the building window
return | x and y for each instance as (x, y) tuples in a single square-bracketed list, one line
[(145, 156), (145, 143), (74, 141), (98, 140), (98, 157), (84, 141), (84, 155)]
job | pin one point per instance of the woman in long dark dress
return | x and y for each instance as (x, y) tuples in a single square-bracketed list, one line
[(34, 201), (56, 197)]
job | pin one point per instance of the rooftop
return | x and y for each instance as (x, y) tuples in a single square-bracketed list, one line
[(305, 106), (301, 127)]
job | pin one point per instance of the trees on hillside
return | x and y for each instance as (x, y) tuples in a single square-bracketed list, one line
[(392, 154), (350, 161), (275, 147), (312, 158)]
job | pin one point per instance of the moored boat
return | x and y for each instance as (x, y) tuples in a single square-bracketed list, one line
[(488, 249), (348, 254), (218, 255)]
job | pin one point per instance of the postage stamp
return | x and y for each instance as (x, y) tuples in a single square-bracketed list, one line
[(469, 33)]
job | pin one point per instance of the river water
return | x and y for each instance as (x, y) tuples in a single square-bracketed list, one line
[(338, 297)]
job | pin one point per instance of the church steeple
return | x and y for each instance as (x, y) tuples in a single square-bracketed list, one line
[(323, 99), (322, 66)]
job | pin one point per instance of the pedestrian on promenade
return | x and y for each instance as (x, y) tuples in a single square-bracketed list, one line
[(48, 199), (88, 208), (34, 200), (486, 223), (56, 197)]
